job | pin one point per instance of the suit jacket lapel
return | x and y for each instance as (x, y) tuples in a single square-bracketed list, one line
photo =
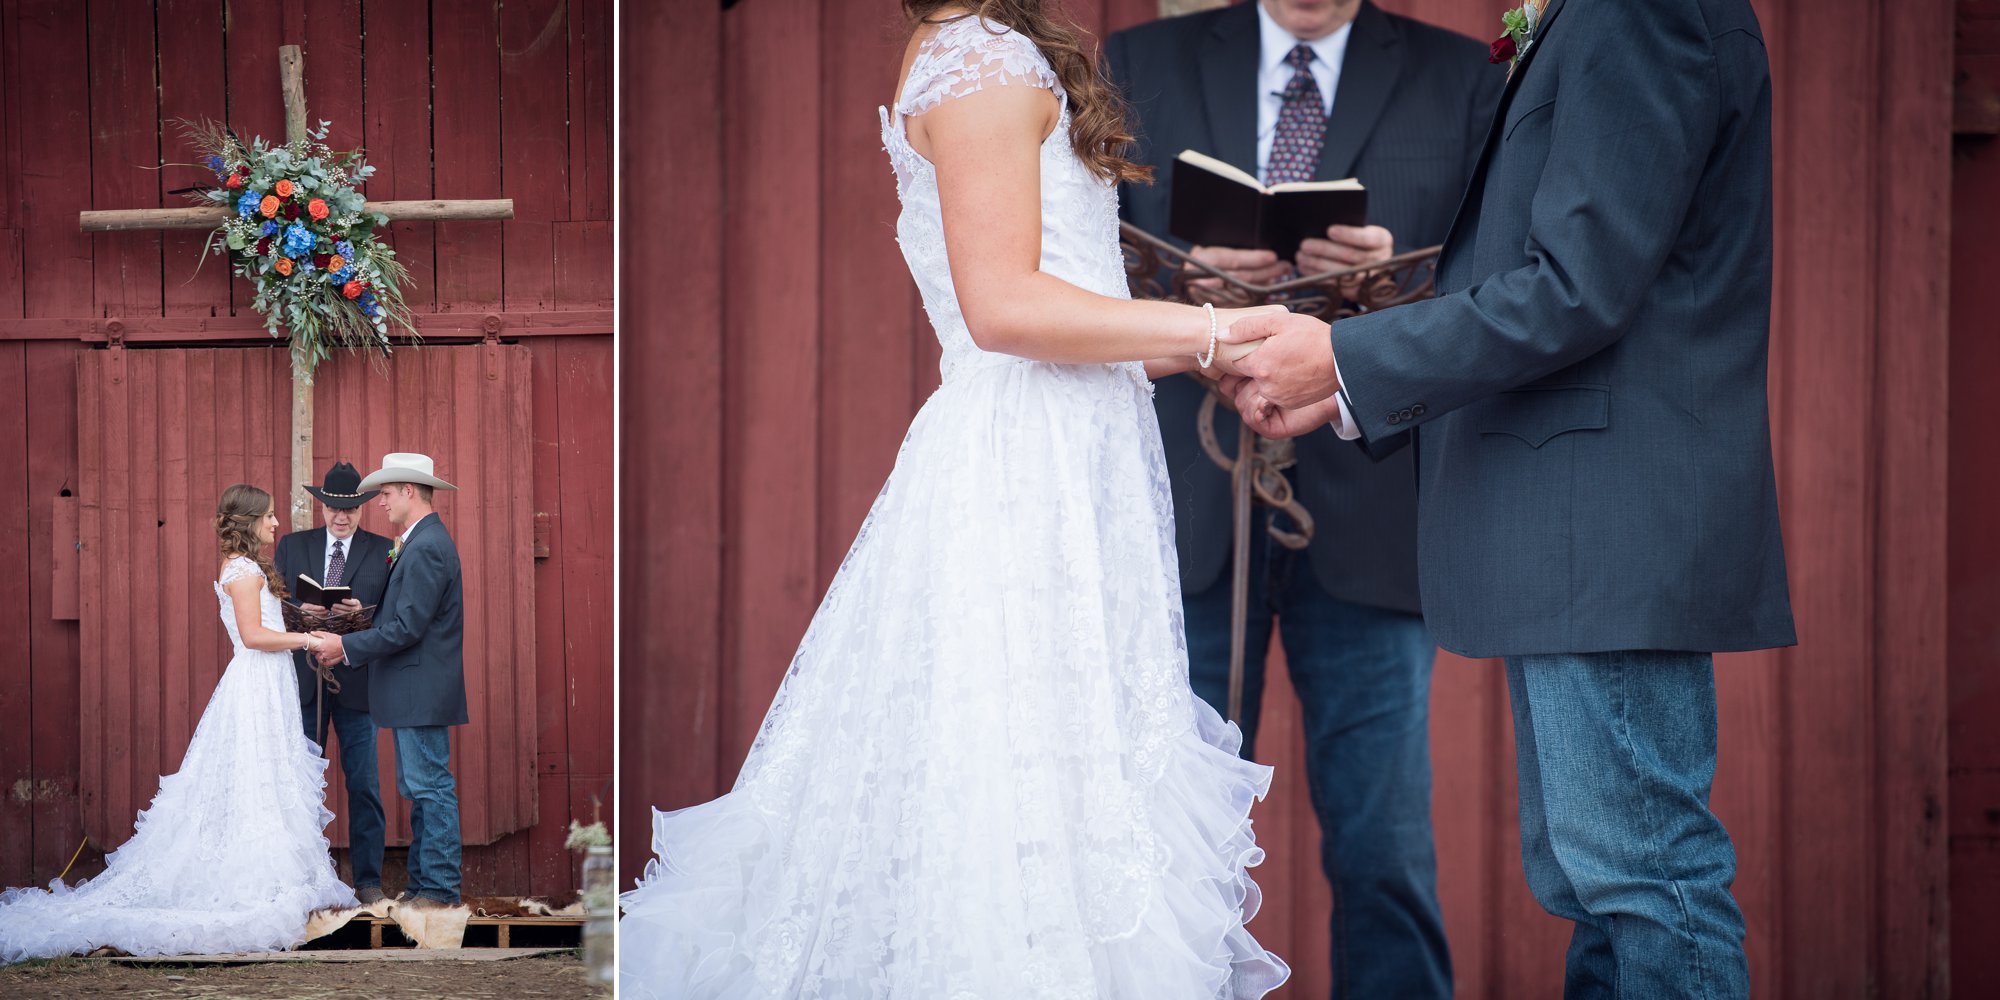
[(1368, 74), (315, 547), (1228, 64), (1470, 200)]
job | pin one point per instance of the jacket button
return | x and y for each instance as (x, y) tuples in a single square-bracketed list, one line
[(1406, 414), (1395, 418), (1417, 410)]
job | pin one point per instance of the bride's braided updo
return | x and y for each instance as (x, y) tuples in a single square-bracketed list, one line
[(236, 517)]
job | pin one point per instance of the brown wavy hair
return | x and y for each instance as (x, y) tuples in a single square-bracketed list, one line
[(1096, 110), (236, 517)]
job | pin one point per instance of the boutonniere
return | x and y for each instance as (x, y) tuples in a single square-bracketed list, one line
[(395, 549), (1519, 33)]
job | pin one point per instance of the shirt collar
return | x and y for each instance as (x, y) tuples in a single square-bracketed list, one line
[(1276, 43), (347, 544)]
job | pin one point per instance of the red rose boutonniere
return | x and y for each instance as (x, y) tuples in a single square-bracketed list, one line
[(1519, 33), (394, 551)]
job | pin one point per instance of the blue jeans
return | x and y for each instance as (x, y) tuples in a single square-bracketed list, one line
[(1616, 752), (423, 776), (356, 732), (1363, 678)]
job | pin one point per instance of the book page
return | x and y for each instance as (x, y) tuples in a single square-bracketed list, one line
[(1217, 167)]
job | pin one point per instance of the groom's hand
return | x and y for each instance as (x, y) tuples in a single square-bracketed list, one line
[(330, 651), (1293, 368)]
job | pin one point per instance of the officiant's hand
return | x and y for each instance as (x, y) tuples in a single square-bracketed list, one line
[(313, 610), (348, 607), (330, 652), (1255, 267), (1345, 247), (1293, 368)]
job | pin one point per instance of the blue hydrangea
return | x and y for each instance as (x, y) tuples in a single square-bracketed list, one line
[(298, 240), (343, 276), (270, 227), (215, 163), (345, 249), (246, 206)]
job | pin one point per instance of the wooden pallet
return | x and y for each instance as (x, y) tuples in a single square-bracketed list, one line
[(506, 926)]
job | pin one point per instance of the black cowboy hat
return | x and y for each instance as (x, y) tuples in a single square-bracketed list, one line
[(342, 488)]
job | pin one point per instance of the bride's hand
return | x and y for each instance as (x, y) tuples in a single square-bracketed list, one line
[(1228, 354)]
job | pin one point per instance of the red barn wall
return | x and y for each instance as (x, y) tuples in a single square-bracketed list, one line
[(778, 352), (452, 99)]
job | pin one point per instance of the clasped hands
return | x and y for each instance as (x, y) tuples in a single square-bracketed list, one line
[(1275, 367)]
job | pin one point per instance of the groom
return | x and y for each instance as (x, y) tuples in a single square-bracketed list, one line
[(1596, 502), (416, 671)]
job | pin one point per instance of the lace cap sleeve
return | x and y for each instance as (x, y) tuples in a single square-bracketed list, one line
[(967, 56), (236, 569)]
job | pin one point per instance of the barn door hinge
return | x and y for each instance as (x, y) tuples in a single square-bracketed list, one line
[(114, 336)]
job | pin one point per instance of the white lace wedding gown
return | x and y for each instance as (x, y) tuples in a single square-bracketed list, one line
[(231, 856), (984, 776)]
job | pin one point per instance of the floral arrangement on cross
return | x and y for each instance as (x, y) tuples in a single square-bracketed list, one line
[(303, 236)]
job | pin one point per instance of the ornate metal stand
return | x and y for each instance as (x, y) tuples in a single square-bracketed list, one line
[(1156, 269)]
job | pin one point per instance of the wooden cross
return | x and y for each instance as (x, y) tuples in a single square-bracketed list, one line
[(291, 80)]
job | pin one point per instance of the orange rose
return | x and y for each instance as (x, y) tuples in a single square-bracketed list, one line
[(268, 207), (285, 266), (284, 189), (317, 208), (335, 263), (233, 182), (352, 289)]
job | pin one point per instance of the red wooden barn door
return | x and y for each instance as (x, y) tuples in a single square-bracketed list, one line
[(161, 432)]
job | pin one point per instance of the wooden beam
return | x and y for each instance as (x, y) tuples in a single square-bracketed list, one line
[(250, 327), (208, 217)]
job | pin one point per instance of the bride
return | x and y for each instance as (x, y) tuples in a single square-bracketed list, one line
[(984, 776), (231, 856)]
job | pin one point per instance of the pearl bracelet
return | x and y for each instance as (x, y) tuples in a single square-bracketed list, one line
[(1213, 333)]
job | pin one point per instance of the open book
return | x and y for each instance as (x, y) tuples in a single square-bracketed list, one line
[(1217, 205), (310, 591)]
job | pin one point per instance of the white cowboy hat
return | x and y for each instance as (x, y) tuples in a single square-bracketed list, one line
[(404, 467)]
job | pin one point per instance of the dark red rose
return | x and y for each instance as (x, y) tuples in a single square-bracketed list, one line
[(320, 259), (291, 211), (1501, 50), (264, 247), (244, 169)]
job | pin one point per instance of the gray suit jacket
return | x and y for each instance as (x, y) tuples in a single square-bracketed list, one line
[(1587, 393), (415, 653), (1408, 114)]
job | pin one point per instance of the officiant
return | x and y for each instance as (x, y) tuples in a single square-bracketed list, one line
[(342, 553), (1311, 90)]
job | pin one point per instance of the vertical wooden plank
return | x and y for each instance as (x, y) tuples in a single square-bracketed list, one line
[(534, 89), (1912, 387), (773, 350), (54, 684), (553, 682), (1830, 747), (191, 89), (183, 557), (465, 128), (590, 161), (864, 286), (1460, 813), (253, 33), (670, 521), (17, 770), (396, 87), (49, 75), (333, 50), (582, 264), (124, 149)]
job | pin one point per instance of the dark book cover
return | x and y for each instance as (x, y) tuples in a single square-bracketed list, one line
[(310, 591), (1217, 205)]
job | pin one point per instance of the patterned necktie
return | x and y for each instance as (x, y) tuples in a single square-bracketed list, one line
[(1301, 124), (336, 568)]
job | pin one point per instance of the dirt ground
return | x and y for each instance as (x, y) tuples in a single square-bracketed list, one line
[(551, 976)]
